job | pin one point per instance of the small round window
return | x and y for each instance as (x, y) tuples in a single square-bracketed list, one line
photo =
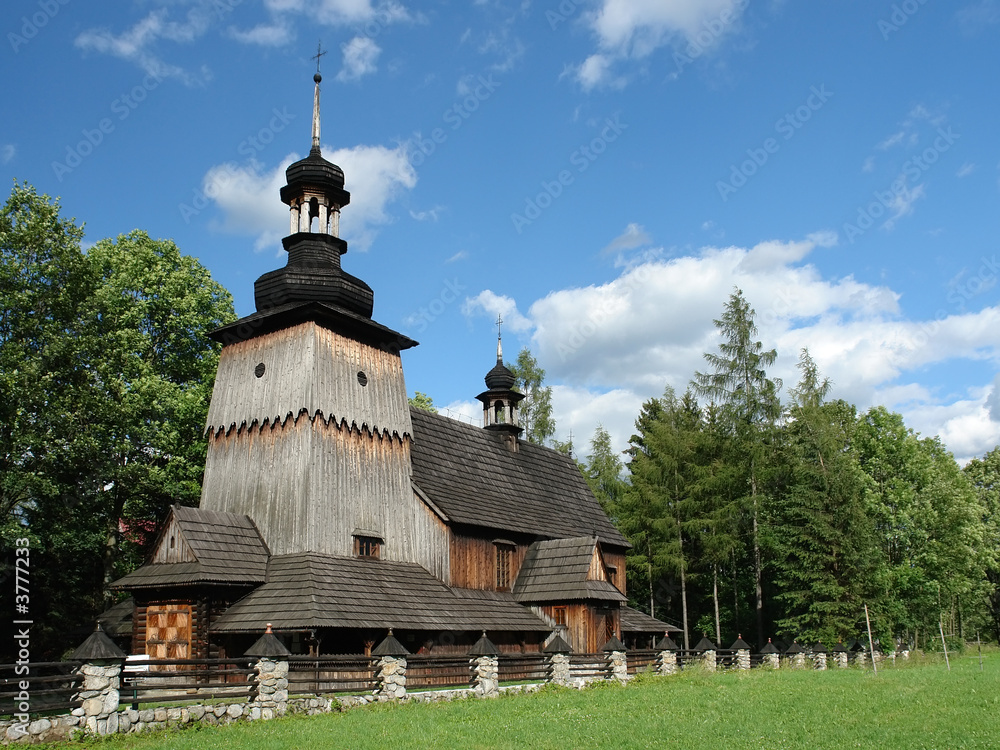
[(259, 370), (362, 378)]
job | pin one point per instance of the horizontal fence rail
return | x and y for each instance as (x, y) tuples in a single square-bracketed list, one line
[(173, 680), (588, 666), (644, 660), (331, 674), (523, 667), (50, 686), (429, 671)]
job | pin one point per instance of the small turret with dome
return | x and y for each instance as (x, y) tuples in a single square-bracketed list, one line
[(500, 402)]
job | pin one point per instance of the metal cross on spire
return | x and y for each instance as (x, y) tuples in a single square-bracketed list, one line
[(499, 348), (319, 53)]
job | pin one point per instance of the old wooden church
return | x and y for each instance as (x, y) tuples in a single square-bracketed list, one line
[(334, 511)]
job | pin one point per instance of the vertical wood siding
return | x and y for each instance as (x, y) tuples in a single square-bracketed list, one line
[(308, 484), (178, 552), (309, 368), (474, 562)]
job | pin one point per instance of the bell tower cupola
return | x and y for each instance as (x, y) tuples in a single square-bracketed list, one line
[(314, 193), (500, 402)]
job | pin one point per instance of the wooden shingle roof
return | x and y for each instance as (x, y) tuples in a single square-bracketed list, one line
[(477, 480), (311, 590), (634, 621), (220, 547), (556, 570)]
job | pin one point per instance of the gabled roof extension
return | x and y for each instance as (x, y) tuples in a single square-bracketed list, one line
[(223, 548), (476, 480), (635, 621), (310, 590), (557, 570)]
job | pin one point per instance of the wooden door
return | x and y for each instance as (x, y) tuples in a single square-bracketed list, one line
[(168, 631)]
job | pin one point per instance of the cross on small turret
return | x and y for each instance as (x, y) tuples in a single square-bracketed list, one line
[(499, 324), (319, 53)]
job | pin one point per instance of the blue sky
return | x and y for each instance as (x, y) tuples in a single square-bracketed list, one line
[(601, 172)]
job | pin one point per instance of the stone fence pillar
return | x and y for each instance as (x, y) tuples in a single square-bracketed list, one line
[(101, 670), (617, 660), (707, 649), (668, 655), (559, 650), (796, 656), (840, 655), (270, 696), (742, 649), (486, 668), (772, 657), (819, 659), (391, 671)]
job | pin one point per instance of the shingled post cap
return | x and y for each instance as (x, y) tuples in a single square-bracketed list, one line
[(267, 646), (795, 648), (613, 644), (558, 645), (98, 647), (770, 648), (390, 647), (705, 645), (739, 644), (666, 643), (840, 648), (484, 647)]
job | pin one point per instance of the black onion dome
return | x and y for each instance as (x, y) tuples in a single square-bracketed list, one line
[(315, 171), (500, 378)]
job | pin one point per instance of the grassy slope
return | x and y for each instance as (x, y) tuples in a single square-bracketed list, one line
[(903, 707)]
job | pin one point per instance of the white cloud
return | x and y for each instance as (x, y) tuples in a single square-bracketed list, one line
[(965, 170), (341, 12), (249, 200), (431, 214), (275, 34), (608, 347), (137, 44), (634, 29), (634, 236), (902, 204), (7, 152), (491, 304), (360, 55), (470, 412), (460, 255)]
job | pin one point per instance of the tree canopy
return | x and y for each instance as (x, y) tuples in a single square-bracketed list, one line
[(106, 378)]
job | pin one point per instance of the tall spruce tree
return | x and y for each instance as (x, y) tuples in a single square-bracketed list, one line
[(738, 383), (823, 537)]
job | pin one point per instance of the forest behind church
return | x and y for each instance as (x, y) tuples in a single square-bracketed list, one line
[(752, 509)]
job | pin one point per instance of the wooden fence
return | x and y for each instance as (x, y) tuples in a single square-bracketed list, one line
[(170, 680), (331, 674), (48, 686)]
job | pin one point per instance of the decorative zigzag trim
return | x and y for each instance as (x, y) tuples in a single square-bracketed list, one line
[(213, 431)]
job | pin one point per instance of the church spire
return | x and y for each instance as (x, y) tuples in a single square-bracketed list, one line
[(499, 345), (315, 122)]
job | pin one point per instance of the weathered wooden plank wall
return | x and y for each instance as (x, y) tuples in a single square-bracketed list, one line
[(474, 562), (309, 484), (308, 367)]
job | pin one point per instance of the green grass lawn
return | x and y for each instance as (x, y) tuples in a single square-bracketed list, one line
[(911, 706)]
